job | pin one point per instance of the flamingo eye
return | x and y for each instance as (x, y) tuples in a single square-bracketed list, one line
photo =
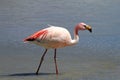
[(85, 26)]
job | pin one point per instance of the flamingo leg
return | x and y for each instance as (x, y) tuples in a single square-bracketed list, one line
[(42, 58), (55, 62)]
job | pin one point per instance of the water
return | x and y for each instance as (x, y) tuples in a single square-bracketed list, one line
[(95, 57)]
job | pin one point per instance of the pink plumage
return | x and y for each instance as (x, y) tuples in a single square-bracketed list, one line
[(36, 35), (55, 37)]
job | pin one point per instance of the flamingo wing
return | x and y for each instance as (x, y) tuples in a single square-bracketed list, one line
[(41, 33)]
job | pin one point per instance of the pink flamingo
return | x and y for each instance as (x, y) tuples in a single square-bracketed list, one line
[(55, 37)]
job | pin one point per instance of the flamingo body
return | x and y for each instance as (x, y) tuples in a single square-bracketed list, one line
[(55, 37), (51, 37)]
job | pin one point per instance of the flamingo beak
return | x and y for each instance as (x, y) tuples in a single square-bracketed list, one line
[(88, 28)]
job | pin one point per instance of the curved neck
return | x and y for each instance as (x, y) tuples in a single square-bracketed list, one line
[(76, 36)]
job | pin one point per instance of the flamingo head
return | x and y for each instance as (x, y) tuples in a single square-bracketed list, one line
[(83, 26)]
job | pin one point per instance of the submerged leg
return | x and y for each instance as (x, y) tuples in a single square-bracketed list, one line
[(55, 62), (42, 58)]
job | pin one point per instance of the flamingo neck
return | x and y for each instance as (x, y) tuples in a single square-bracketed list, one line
[(76, 37)]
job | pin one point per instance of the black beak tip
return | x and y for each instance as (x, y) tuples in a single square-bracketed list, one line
[(90, 30)]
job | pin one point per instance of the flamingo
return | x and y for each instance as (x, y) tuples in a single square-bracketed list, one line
[(55, 37)]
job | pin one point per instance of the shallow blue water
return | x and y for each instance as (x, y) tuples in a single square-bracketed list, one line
[(96, 56)]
